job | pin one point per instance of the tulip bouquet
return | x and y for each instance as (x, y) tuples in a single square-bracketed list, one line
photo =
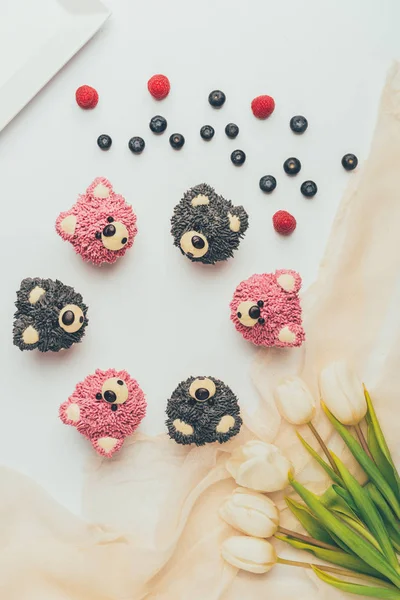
[(354, 528)]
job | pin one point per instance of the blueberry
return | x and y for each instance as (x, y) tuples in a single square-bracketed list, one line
[(104, 142), (349, 161), (292, 166), (136, 145), (217, 98), (298, 124), (207, 132), (177, 140), (309, 189), (267, 183), (238, 157), (158, 124), (231, 130), (198, 242)]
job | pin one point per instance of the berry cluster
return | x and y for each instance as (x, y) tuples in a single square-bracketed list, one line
[(262, 108)]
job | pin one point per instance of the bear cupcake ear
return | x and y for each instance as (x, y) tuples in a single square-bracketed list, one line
[(66, 224), (238, 219), (200, 200), (99, 188), (288, 280)]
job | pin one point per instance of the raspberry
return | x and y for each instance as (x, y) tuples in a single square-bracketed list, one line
[(86, 96), (284, 223), (159, 86), (263, 106)]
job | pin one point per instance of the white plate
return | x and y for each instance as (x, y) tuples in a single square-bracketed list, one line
[(37, 38)]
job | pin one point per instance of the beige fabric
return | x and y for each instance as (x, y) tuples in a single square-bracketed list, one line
[(155, 530)]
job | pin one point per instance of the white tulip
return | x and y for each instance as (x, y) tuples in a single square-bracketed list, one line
[(294, 401), (249, 553), (259, 466), (343, 393), (251, 513)]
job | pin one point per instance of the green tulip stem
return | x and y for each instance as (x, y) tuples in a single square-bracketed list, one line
[(362, 440), (343, 572), (306, 538), (324, 448)]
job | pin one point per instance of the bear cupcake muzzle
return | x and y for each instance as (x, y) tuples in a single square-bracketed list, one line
[(114, 235)]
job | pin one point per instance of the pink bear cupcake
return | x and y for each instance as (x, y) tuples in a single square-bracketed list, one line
[(106, 408), (266, 309), (101, 226)]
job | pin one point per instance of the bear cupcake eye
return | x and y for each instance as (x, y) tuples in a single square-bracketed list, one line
[(194, 244), (115, 391), (249, 313), (202, 389), (110, 219), (71, 318)]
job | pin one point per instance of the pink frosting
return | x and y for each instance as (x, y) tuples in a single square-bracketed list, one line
[(96, 419), (91, 213), (281, 309)]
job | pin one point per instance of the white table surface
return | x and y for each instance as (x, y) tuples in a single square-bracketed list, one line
[(155, 313)]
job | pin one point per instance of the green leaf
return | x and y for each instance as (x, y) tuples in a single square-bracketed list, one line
[(359, 527), (387, 515), (374, 425), (356, 588), (330, 499), (344, 494), (357, 544), (367, 464), (342, 545), (336, 557), (373, 419), (381, 505), (395, 537), (309, 522), (368, 512), (328, 469), (382, 462)]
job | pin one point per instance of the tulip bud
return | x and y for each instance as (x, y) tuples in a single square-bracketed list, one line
[(251, 513), (249, 553), (294, 401), (343, 393), (259, 466)]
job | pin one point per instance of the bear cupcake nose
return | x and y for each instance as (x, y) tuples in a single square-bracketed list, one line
[(109, 230), (110, 396), (115, 236), (197, 242)]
